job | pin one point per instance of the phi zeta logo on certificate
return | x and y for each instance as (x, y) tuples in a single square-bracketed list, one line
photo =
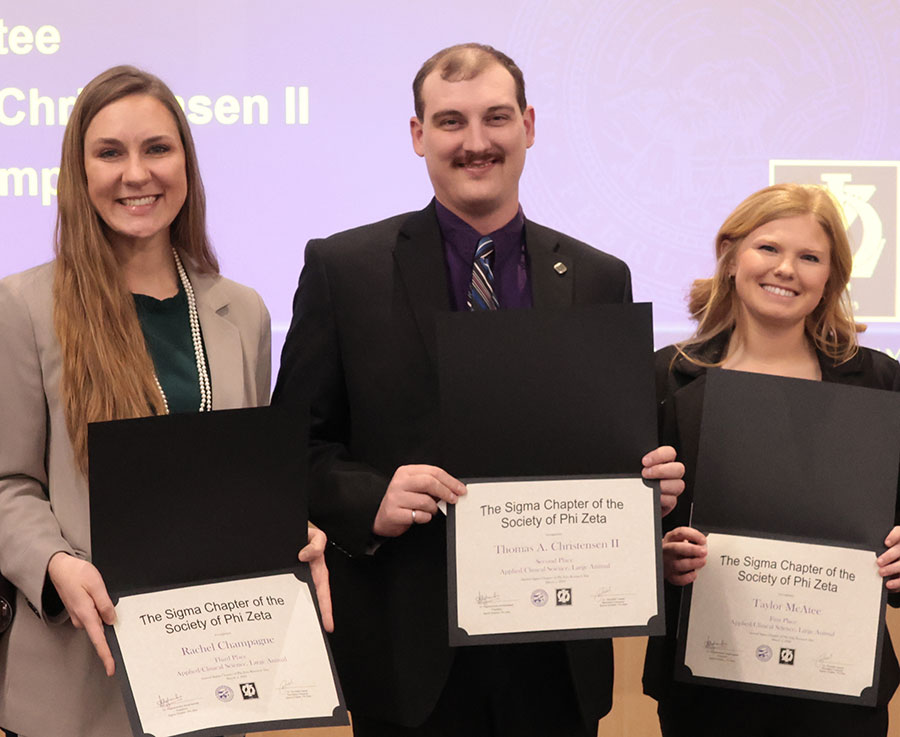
[(248, 691), (868, 192)]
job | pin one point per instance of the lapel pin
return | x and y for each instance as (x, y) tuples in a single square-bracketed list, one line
[(560, 268)]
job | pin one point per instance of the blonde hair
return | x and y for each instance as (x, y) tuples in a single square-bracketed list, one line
[(713, 302), (107, 372)]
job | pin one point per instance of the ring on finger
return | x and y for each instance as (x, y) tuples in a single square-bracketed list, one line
[(413, 516)]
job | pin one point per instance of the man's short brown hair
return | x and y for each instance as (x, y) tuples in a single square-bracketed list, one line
[(462, 62)]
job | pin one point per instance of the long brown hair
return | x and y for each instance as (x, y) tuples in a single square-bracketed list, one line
[(713, 302), (107, 373)]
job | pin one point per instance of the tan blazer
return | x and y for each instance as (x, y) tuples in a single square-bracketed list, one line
[(51, 681)]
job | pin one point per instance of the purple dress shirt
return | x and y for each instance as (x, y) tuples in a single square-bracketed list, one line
[(512, 285)]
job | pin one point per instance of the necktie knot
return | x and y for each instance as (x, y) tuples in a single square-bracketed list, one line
[(485, 249), (481, 292)]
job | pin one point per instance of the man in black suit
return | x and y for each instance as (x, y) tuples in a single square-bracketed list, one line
[(361, 351)]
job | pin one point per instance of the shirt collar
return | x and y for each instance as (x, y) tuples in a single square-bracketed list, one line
[(462, 238)]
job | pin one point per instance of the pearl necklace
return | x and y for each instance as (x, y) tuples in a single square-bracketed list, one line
[(199, 355)]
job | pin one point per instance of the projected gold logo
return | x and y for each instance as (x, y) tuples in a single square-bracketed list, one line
[(868, 192)]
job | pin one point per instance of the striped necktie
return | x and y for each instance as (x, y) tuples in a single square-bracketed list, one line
[(481, 292)]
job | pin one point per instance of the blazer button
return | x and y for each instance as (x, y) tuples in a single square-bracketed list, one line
[(6, 614)]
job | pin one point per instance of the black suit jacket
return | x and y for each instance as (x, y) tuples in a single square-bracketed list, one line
[(361, 351)]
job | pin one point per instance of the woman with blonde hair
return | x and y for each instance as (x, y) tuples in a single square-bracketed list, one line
[(131, 319), (777, 304)]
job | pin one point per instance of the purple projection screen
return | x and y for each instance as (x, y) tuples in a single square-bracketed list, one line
[(654, 119)]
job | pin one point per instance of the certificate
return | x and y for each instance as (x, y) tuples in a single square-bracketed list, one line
[(796, 483), (554, 559), (785, 614), (196, 521), (551, 412), (241, 655)]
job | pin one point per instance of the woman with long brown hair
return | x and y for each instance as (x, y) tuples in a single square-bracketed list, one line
[(777, 304), (131, 319)]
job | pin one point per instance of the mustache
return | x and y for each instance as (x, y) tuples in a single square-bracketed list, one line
[(478, 157)]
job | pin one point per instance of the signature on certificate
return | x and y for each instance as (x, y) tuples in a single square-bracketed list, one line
[(483, 599), (290, 690), (605, 596), (825, 663), (167, 702), (827, 659), (715, 644)]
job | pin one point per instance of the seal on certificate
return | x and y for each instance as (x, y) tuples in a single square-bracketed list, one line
[(539, 597), (224, 693)]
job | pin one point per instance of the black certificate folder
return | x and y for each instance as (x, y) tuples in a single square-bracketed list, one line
[(546, 415), (800, 459), (182, 501), (191, 497), (547, 392), (797, 461)]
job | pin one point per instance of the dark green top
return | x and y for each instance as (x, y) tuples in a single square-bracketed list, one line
[(167, 331)]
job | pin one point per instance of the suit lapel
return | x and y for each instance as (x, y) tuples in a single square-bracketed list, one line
[(221, 340), (419, 255), (549, 288)]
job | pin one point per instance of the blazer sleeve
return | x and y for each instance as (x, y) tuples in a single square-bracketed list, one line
[(891, 379), (667, 423), (344, 495), (880, 371), (264, 355), (627, 296), (29, 532)]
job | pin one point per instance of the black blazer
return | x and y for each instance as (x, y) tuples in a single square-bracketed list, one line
[(361, 350), (679, 388)]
